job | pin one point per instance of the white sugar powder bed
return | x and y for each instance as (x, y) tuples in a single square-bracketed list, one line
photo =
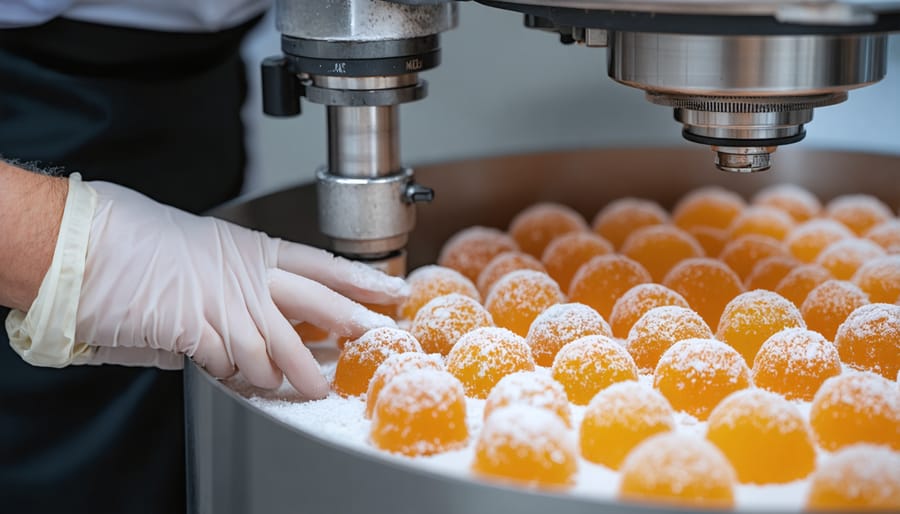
[(342, 421)]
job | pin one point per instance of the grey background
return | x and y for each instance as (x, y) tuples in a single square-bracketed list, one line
[(503, 88)]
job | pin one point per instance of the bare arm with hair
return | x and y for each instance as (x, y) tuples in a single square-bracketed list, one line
[(31, 207)]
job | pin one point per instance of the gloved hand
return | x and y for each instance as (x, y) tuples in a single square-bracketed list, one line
[(139, 283)]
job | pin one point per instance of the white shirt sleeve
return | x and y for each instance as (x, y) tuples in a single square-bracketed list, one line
[(25, 13)]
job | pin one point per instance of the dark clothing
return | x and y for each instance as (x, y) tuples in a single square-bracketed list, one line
[(157, 112)]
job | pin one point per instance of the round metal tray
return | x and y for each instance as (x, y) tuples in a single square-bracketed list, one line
[(242, 460)]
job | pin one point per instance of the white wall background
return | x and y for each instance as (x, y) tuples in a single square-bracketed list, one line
[(503, 88)]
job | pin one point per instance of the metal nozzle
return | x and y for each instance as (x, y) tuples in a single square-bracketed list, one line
[(743, 159)]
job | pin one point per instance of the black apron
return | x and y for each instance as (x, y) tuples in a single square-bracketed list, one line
[(157, 112)]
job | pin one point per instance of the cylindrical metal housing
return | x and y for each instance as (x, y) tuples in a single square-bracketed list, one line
[(689, 64), (363, 141), (361, 20), (366, 216)]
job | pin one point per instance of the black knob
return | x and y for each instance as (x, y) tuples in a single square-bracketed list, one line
[(280, 88)]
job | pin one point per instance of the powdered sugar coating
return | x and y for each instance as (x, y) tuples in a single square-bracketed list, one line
[(764, 437), (501, 265), (796, 201), (869, 339), (394, 366), (856, 477), (660, 328), (601, 280), (761, 220), (707, 285), (829, 304), (528, 445), (887, 235), (519, 297), (471, 249), (534, 227), (750, 318), (858, 212), (561, 324), (618, 418), (590, 364), (707, 206), (794, 363), (485, 355), (637, 301), (678, 468), (361, 357), (660, 247), (768, 272), (529, 388), (806, 241), (442, 321), (420, 412), (568, 252), (621, 217), (796, 285), (429, 282), (742, 253), (842, 258), (696, 374), (856, 407), (880, 279)]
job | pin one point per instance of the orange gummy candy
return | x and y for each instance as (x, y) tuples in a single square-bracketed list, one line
[(680, 470), (560, 325), (707, 285), (858, 212), (517, 299), (856, 407), (623, 216), (764, 437), (829, 304), (696, 374), (529, 388), (880, 279), (806, 241), (857, 478), (484, 356), (743, 253), (709, 207), (636, 302), (796, 285), (795, 363), (887, 235), (442, 321), (528, 445), (568, 252), (420, 412), (471, 249), (750, 318), (535, 227), (502, 264), (870, 339), (712, 239), (658, 329), (794, 200), (620, 417), (768, 272), (842, 258), (603, 279), (360, 358), (660, 247), (429, 282), (763, 221), (392, 367), (588, 365)]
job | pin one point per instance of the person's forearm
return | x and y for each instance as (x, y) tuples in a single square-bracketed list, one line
[(31, 208)]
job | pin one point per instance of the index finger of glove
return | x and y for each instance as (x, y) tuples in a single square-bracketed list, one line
[(350, 278), (302, 299)]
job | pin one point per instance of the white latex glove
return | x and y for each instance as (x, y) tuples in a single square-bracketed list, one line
[(139, 283)]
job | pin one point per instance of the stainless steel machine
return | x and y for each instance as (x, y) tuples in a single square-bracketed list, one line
[(741, 76)]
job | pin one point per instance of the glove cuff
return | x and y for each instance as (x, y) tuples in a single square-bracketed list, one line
[(45, 335)]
